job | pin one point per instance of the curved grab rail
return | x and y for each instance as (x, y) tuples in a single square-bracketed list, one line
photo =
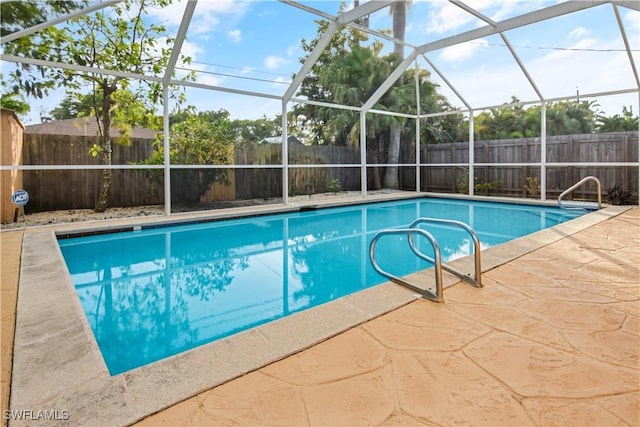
[(578, 184), (474, 281), (438, 296)]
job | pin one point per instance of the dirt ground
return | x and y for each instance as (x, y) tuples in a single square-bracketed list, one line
[(80, 215), (67, 216)]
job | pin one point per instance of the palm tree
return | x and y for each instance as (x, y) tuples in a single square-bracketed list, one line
[(399, 12), (351, 80)]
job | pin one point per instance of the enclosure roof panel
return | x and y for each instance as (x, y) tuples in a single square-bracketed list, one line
[(481, 53)]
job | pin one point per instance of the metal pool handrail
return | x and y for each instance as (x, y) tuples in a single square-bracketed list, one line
[(578, 184), (438, 296), (474, 281)]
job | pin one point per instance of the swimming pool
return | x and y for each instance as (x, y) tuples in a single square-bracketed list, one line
[(155, 292)]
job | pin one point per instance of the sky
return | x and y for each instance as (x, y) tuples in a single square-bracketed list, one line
[(255, 46)]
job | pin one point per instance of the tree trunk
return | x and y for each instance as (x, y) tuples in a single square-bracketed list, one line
[(399, 12), (376, 185), (105, 190), (391, 175)]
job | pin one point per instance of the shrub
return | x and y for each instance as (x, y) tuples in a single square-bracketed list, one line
[(334, 186), (617, 196), (531, 187)]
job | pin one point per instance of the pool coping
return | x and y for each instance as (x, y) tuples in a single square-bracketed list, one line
[(57, 365)]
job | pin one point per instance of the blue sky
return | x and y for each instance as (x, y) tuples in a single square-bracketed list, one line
[(258, 43)]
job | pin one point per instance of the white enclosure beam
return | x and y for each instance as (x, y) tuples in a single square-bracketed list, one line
[(444, 79), (224, 89), (309, 9), (522, 67), (393, 77), (471, 172), (363, 154), (352, 24), (623, 33), (285, 155), (631, 4), (510, 24), (543, 152), (417, 152), (491, 22), (80, 68), (365, 9), (325, 104), (167, 150), (179, 40), (55, 21), (311, 60)]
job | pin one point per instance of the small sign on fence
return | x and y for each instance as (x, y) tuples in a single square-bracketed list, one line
[(19, 198)]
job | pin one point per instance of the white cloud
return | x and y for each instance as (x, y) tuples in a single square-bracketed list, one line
[(632, 21), (170, 15), (235, 35), (578, 32), (446, 17), (207, 16), (281, 82), (246, 70), (192, 50), (293, 50), (273, 62), (557, 74), (462, 51), (209, 79)]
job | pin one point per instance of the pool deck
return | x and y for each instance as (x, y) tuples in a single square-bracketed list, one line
[(552, 339)]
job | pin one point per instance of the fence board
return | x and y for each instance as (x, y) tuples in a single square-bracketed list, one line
[(55, 190), (607, 147)]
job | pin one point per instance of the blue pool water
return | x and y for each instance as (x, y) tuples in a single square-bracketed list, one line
[(156, 292)]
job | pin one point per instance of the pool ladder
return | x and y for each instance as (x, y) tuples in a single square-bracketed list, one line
[(410, 232), (581, 204)]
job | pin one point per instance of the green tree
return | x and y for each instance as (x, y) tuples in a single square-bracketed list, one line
[(617, 123), (570, 118), (71, 107), (195, 141), (438, 129), (117, 39), (514, 121), (252, 131), (312, 117), (12, 101), (27, 79), (351, 80)]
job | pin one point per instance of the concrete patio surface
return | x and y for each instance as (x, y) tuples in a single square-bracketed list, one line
[(552, 339)]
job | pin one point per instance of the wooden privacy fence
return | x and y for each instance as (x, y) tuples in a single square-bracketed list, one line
[(251, 184), (11, 131), (73, 189), (78, 189), (607, 147)]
